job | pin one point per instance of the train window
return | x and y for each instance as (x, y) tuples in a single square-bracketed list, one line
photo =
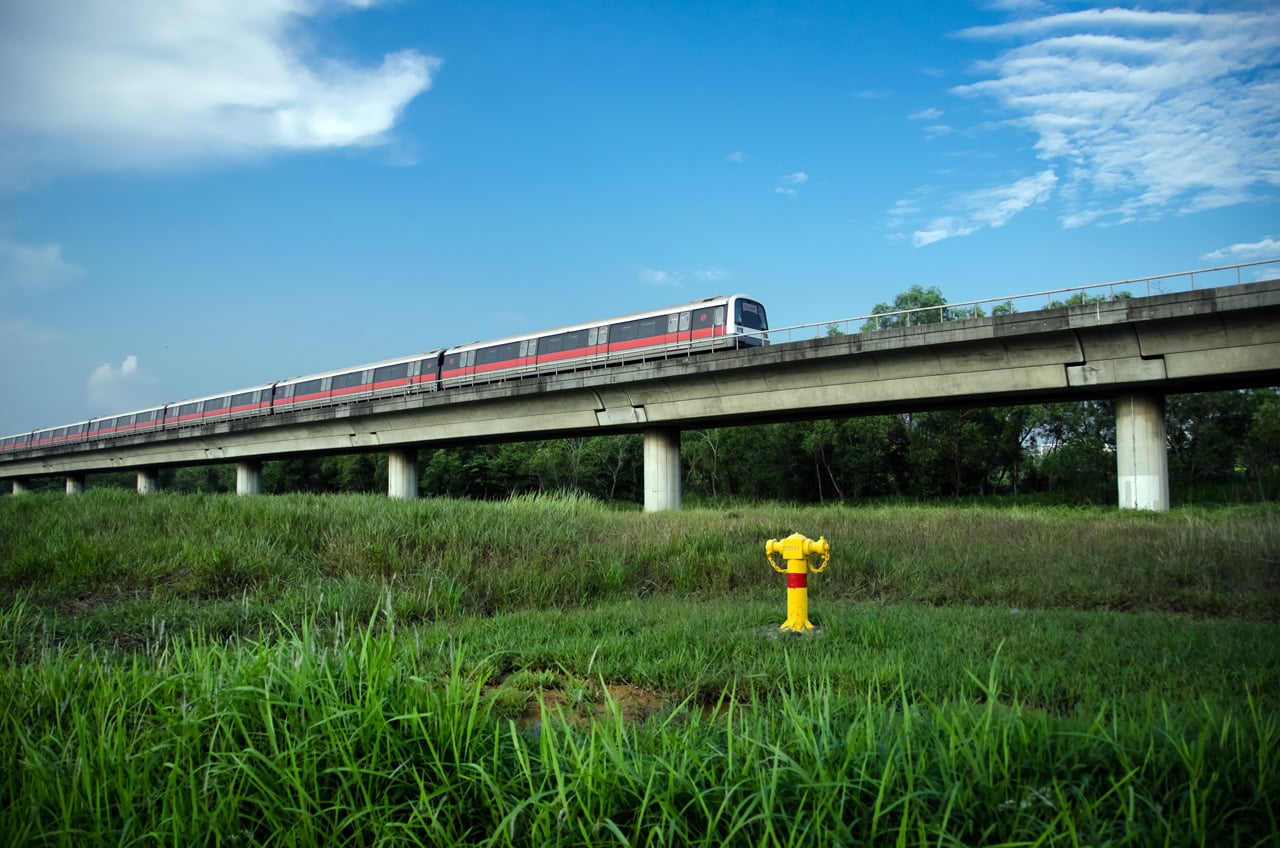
[(702, 319), (243, 399), (146, 417), (217, 403), (309, 387), (391, 372), (626, 331), (498, 353), (684, 322), (561, 342), (672, 320), (346, 381), (427, 368), (604, 336), (533, 347), (188, 409), (750, 314), (719, 319)]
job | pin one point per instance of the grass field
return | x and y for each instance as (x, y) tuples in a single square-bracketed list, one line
[(545, 671)]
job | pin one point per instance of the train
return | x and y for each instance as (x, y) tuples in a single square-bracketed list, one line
[(708, 324)]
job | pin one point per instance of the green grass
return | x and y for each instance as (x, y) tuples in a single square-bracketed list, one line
[(347, 670)]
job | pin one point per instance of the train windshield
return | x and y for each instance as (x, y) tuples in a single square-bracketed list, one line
[(750, 314)]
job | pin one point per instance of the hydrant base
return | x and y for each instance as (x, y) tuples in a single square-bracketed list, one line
[(769, 631)]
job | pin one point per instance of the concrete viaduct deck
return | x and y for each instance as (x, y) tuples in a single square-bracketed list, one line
[(1133, 351)]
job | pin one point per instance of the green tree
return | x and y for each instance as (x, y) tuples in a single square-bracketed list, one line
[(1208, 433), (929, 300)]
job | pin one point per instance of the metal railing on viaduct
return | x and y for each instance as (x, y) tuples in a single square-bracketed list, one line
[(1133, 350)]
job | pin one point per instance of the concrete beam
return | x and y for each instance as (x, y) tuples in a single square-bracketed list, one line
[(249, 477), (661, 469), (75, 484), (1142, 458), (148, 481), (402, 473)]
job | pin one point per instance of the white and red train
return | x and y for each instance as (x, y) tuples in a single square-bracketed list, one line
[(713, 323)]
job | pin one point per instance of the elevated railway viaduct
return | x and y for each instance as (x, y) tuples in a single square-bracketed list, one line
[(1132, 351)]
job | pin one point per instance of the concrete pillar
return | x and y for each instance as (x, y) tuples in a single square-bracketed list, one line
[(148, 481), (75, 484), (249, 477), (661, 469), (402, 473), (1142, 458), (20, 486)]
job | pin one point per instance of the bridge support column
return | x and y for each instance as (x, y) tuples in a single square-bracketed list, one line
[(75, 484), (1142, 458), (661, 469), (249, 477), (402, 473), (20, 487), (148, 481)]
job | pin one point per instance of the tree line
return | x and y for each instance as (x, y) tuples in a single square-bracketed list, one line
[(1060, 450)]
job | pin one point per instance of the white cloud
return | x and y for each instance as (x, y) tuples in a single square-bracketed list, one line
[(677, 279), (925, 115), (119, 389), (1144, 113), (737, 157), (710, 275), (654, 277), (787, 185), (1265, 248), (18, 336), (988, 207), (95, 84), (31, 267)]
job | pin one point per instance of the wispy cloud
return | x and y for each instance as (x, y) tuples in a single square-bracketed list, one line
[(925, 115), (1265, 248), (738, 157), (988, 207), (33, 267), (154, 83), (1137, 114), (677, 279), (790, 184)]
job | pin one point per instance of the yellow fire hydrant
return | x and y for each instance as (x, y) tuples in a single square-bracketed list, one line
[(796, 550)]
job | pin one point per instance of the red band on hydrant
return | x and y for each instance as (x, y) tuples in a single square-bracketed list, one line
[(797, 580)]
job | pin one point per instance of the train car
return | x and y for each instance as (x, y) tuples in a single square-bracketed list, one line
[(379, 379), (712, 323), (15, 443), (131, 422), (52, 436), (245, 402)]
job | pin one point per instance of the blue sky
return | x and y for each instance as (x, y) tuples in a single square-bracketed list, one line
[(202, 195)]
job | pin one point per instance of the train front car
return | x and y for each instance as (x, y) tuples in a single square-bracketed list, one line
[(712, 323), (750, 322)]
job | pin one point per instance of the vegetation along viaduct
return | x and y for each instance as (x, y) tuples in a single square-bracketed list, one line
[(1130, 350)]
